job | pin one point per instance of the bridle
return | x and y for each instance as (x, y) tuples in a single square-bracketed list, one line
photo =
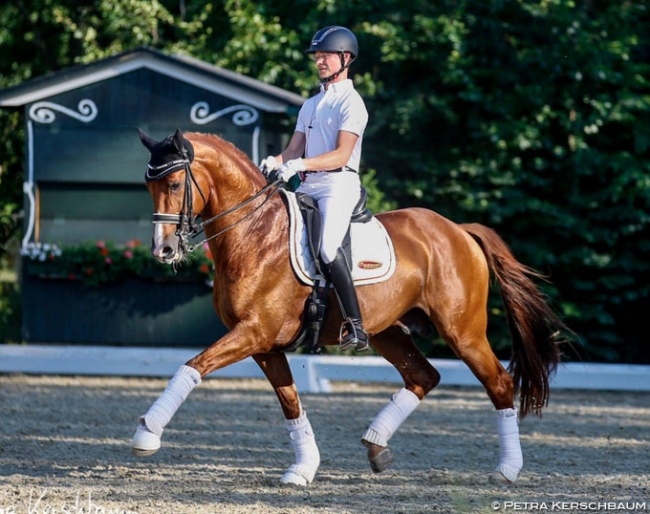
[(187, 224)]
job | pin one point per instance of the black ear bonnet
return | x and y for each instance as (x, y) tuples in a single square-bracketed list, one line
[(171, 154)]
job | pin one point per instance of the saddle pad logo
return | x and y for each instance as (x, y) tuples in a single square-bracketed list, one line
[(369, 264)]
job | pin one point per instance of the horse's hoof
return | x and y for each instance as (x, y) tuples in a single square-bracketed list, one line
[(144, 442), (299, 474), (142, 453), (380, 461), (291, 478), (498, 478)]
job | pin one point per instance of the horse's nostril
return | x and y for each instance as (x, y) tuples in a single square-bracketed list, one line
[(163, 253)]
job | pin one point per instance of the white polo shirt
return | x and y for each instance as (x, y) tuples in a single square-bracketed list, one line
[(339, 107)]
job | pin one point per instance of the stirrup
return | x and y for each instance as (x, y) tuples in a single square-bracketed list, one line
[(356, 336)]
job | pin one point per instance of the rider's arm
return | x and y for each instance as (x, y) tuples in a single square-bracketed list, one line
[(338, 157), (295, 148)]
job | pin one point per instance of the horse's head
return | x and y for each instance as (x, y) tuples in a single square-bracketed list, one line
[(176, 193)]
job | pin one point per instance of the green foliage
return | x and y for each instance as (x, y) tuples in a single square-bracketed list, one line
[(377, 199), (531, 116), (10, 312)]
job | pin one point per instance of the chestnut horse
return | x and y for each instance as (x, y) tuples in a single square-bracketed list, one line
[(441, 280)]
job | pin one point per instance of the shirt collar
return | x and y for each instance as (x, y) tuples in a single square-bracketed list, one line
[(338, 87)]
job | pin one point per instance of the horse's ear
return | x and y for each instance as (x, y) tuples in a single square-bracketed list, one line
[(179, 140), (184, 147), (146, 139)]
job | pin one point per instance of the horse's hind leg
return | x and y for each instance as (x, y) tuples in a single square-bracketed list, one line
[(471, 345), (276, 369), (397, 347)]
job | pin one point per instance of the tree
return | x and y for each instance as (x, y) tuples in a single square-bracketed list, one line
[(529, 116)]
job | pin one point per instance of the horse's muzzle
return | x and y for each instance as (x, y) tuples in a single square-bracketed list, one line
[(168, 250)]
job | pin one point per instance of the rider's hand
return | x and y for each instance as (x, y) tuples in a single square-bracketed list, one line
[(290, 168), (268, 165)]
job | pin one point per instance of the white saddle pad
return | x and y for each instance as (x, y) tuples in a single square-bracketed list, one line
[(373, 255)]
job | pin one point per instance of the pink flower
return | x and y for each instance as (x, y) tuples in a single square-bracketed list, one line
[(128, 254), (108, 260), (101, 244)]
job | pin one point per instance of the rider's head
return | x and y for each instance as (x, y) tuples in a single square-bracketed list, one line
[(333, 41)]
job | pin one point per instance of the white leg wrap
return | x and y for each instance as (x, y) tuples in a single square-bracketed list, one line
[(307, 454), (382, 428), (510, 458), (147, 435)]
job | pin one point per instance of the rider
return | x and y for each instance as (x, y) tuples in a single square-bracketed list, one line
[(326, 150)]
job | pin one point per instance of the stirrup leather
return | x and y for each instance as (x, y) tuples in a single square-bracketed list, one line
[(355, 337)]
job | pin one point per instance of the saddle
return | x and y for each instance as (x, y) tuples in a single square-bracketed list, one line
[(306, 225), (313, 219)]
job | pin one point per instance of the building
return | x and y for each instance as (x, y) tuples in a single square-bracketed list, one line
[(84, 179)]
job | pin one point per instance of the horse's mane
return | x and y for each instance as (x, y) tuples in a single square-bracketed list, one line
[(226, 151)]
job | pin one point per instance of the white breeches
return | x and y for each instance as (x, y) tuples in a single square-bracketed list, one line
[(336, 194)]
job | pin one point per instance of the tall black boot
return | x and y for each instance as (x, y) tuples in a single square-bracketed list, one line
[(352, 332)]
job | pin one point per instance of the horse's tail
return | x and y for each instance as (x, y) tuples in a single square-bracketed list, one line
[(533, 325)]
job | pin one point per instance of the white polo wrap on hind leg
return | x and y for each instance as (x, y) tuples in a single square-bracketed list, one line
[(400, 407), (510, 458), (304, 445), (176, 392)]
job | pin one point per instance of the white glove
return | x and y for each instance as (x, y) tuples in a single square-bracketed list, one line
[(268, 165), (290, 168)]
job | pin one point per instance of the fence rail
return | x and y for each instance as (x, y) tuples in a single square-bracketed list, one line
[(312, 373)]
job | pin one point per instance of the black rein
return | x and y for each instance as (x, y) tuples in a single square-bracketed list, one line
[(187, 225)]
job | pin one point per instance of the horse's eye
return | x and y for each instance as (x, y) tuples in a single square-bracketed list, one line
[(174, 186)]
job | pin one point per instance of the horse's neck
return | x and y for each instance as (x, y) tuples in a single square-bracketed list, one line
[(243, 227)]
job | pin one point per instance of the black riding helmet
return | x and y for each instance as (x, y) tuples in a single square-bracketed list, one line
[(335, 39)]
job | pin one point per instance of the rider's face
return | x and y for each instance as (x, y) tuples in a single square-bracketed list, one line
[(327, 63)]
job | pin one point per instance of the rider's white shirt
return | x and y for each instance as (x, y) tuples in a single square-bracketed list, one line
[(339, 107)]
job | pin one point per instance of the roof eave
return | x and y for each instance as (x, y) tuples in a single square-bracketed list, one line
[(211, 78)]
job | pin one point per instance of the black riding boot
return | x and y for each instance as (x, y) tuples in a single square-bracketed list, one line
[(352, 332)]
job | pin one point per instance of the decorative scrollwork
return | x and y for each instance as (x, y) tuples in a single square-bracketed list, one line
[(243, 114), (44, 112)]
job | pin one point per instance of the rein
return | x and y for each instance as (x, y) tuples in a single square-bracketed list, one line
[(187, 225)]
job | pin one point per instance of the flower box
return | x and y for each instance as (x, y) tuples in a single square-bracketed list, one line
[(72, 296)]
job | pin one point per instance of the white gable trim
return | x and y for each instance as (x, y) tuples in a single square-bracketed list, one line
[(212, 84)]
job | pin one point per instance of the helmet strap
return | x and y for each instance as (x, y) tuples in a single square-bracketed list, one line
[(344, 66)]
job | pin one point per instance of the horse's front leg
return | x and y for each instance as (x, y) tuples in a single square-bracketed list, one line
[(236, 345), (276, 368)]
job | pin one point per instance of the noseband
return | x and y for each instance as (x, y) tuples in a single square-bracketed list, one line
[(187, 224)]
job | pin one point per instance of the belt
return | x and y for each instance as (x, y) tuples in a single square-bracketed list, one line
[(335, 170)]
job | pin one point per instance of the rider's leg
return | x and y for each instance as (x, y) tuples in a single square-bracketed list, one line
[(336, 195), (354, 336)]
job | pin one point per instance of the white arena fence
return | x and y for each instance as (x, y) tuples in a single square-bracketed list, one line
[(312, 373)]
